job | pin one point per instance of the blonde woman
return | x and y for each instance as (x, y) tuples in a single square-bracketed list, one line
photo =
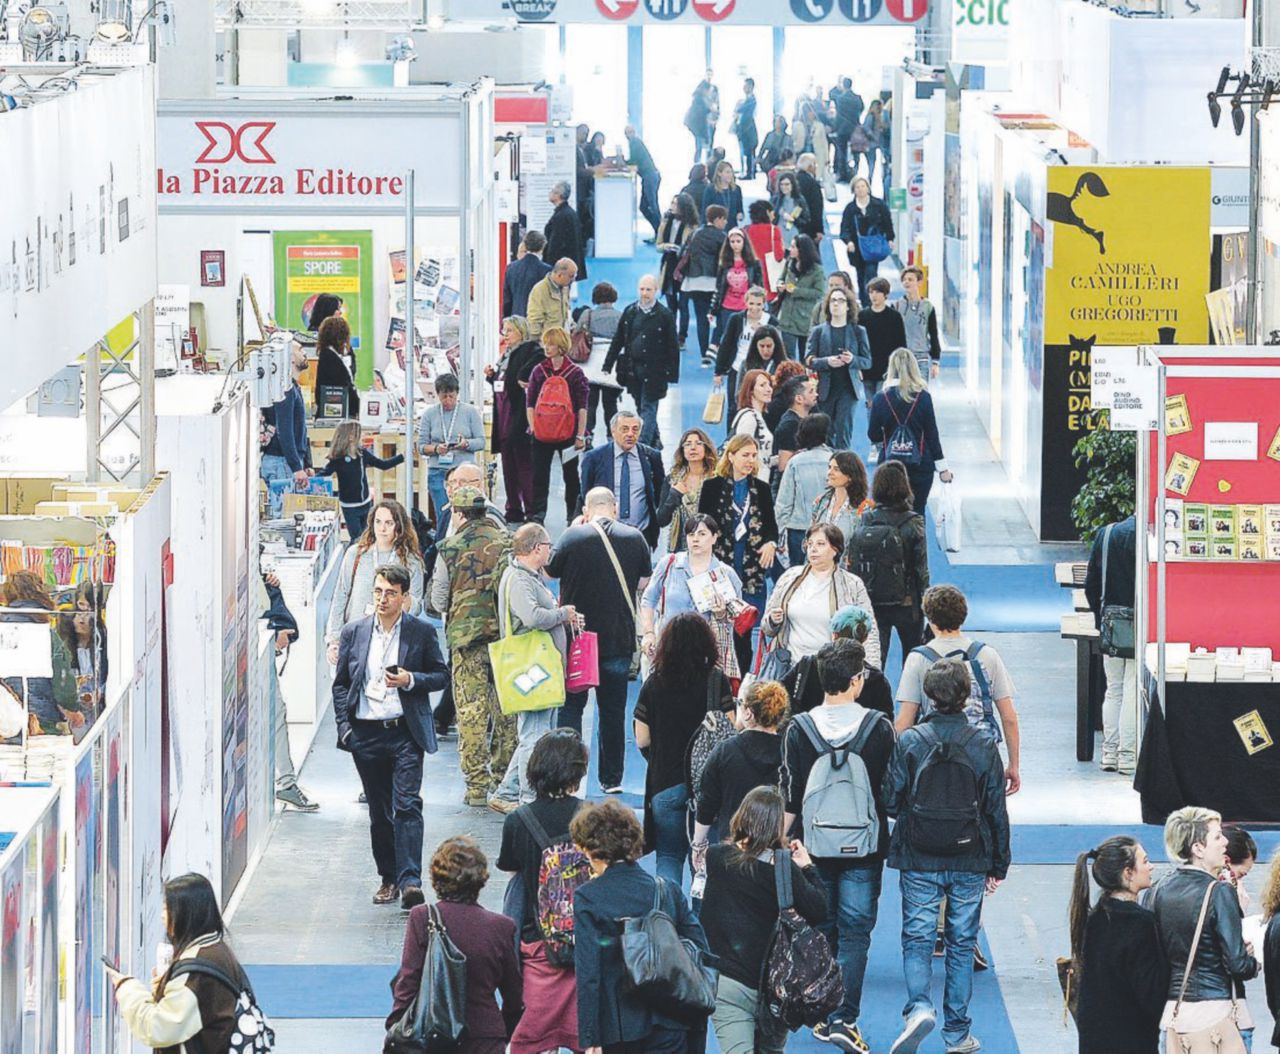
[(556, 364), (742, 505), (723, 190), (904, 425), (1271, 944), (348, 460)]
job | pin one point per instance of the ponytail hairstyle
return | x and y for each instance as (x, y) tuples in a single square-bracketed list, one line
[(1107, 863)]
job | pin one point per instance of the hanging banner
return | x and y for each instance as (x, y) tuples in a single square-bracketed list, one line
[(77, 229), (308, 263), (1119, 271), (699, 12)]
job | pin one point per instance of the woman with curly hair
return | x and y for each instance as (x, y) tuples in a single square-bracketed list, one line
[(1271, 945), (694, 464), (388, 539), (685, 683), (459, 871), (336, 364), (612, 1017)]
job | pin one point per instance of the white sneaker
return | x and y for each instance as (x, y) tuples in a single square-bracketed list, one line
[(966, 1046), (920, 1023)]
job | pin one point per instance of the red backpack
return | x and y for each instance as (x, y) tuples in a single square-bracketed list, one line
[(553, 418)]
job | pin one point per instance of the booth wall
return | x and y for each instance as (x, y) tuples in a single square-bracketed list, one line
[(1222, 603), (248, 245), (1269, 222), (520, 53)]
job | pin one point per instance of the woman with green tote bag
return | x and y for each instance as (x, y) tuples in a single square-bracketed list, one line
[(528, 659)]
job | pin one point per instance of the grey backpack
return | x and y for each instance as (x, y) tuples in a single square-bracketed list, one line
[(840, 817)]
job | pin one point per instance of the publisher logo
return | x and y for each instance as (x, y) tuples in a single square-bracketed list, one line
[(245, 143)]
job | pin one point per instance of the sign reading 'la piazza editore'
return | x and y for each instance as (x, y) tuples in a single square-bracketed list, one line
[(242, 156)]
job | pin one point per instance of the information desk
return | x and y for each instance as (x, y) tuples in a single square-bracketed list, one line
[(615, 215), (1193, 753)]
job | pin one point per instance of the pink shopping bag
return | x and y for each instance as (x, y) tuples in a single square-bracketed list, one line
[(582, 671)]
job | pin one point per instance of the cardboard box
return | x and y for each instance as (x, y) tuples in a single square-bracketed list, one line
[(19, 494)]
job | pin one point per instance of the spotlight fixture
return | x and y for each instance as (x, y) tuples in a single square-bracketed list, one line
[(115, 18), (1215, 109), (1268, 90), (1237, 116), (43, 27)]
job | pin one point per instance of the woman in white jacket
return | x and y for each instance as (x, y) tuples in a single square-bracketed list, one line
[(799, 613)]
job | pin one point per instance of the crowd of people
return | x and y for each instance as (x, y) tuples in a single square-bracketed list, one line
[(753, 583)]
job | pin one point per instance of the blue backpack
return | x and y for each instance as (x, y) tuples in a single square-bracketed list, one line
[(980, 709)]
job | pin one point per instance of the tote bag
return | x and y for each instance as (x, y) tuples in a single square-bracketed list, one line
[(583, 669), (528, 672)]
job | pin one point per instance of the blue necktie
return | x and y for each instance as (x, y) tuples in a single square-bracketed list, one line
[(624, 499)]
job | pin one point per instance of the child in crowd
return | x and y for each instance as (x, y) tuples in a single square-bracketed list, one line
[(348, 460)]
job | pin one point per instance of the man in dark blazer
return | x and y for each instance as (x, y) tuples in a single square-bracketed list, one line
[(523, 275), (388, 664), (815, 223), (625, 459), (646, 352), (563, 231)]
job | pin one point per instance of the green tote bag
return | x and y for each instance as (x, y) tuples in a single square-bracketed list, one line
[(528, 670)]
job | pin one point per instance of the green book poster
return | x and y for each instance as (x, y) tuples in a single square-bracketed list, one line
[(308, 263)]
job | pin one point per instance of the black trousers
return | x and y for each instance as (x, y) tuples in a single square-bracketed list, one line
[(921, 485), (543, 455), (390, 766), (610, 396), (907, 619)]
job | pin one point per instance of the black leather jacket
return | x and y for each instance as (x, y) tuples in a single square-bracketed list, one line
[(1221, 957)]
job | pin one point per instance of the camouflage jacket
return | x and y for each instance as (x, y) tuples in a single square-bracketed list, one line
[(474, 560)]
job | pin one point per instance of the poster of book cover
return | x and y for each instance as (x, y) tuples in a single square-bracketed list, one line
[(86, 865), (113, 806), (47, 993), (12, 985)]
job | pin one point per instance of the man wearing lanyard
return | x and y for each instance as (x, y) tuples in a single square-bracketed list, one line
[(449, 434)]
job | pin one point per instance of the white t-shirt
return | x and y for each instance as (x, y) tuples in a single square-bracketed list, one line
[(809, 616), (911, 686)]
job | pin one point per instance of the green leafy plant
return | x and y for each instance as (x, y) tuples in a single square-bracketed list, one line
[(1109, 490)]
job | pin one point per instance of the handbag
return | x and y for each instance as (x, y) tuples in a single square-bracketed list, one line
[(582, 671), (580, 343), (1222, 1037), (528, 671), (666, 970), (1116, 624), (713, 411), (626, 592), (435, 1020), (872, 247), (1069, 982)]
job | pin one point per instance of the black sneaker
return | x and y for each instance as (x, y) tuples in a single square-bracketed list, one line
[(296, 799), (848, 1038), (980, 960)]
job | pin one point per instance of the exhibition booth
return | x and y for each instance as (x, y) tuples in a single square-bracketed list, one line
[(1209, 511)]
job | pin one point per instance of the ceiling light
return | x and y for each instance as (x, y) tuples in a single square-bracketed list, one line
[(42, 28), (1215, 109)]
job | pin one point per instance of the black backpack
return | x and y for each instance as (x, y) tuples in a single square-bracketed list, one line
[(878, 555), (944, 819), (253, 1033), (800, 980)]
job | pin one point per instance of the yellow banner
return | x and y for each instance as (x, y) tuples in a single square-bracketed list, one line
[(1129, 256)]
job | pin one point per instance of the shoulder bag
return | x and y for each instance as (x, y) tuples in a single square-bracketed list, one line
[(669, 972), (434, 1022), (1223, 1037), (1116, 624), (626, 592), (777, 659), (528, 671), (581, 341)]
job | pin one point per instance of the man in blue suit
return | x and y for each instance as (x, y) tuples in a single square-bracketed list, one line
[(388, 664), (632, 471)]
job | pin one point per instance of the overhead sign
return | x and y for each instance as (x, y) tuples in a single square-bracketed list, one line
[(694, 12), (77, 228), (240, 155)]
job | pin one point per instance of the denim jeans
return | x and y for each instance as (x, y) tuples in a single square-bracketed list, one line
[(274, 467), (611, 715), (356, 519), (701, 311), (853, 898), (922, 892), (435, 487), (840, 406), (530, 727), (795, 547), (670, 810), (648, 409)]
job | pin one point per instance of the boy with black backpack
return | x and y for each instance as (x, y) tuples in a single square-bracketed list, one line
[(945, 789), (834, 759)]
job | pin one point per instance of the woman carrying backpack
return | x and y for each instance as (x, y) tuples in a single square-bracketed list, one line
[(798, 618), (187, 1004), (557, 398), (535, 838), (889, 552), (459, 871), (740, 910), (904, 426), (683, 686)]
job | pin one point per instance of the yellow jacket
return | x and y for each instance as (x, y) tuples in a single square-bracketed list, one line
[(548, 306)]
